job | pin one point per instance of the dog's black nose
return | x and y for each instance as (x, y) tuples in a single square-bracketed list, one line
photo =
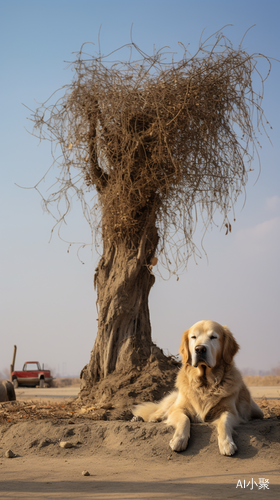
[(200, 349)]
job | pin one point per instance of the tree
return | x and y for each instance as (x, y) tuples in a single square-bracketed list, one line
[(158, 143)]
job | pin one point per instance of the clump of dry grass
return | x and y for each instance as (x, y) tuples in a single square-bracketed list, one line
[(16, 411), (262, 381)]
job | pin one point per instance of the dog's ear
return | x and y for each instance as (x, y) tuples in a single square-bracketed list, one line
[(184, 348), (230, 346)]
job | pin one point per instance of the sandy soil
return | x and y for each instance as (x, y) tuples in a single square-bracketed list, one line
[(128, 460), (71, 392)]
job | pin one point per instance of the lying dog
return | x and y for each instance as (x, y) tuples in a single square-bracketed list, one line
[(7, 391), (209, 389)]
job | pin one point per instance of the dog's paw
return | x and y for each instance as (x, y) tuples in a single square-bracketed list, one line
[(178, 443), (137, 419), (227, 447)]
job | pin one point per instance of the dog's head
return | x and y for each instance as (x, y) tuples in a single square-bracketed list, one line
[(206, 344)]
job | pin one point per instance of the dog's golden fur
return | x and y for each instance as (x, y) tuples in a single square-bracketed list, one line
[(209, 389)]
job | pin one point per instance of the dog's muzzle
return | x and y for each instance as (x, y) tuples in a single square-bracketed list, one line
[(200, 355)]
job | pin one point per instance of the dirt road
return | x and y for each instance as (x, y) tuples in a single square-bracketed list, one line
[(58, 393)]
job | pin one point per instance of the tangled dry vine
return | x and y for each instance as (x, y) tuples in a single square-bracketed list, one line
[(152, 138)]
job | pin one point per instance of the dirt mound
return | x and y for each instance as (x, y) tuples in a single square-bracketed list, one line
[(149, 382), (145, 440), (28, 427)]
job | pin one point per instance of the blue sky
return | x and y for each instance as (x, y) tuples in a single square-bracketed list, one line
[(47, 297)]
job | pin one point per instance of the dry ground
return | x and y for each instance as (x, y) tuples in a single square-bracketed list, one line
[(129, 461)]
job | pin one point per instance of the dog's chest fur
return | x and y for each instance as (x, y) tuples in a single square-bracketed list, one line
[(204, 397)]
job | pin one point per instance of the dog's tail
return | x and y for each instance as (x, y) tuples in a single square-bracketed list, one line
[(155, 411), (256, 412)]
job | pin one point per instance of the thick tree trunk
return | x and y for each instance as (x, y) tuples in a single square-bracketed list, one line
[(123, 280), (124, 331)]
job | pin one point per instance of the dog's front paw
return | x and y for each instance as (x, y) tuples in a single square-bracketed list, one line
[(178, 443), (227, 447)]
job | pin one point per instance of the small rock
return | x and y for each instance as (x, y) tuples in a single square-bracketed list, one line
[(66, 444), (10, 454), (137, 419), (85, 473)]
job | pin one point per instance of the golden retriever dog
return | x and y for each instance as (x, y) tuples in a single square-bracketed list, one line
[(209, 389)]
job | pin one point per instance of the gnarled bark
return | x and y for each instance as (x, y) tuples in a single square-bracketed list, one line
[(123, 280)]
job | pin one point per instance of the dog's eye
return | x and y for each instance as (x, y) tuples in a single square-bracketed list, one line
[(212, 337), (193, 337)]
